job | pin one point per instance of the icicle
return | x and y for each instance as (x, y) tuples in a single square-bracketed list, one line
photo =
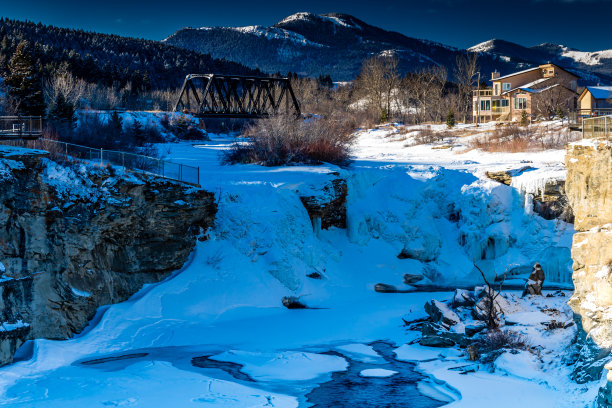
[(528, 204), (316, 226)]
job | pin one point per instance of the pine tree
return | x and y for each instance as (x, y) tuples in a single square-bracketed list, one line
[(146, 81), (450, 119), (116, 123), (62, 111), (384, 116), (24, 83), (560, 113), (137, 133)]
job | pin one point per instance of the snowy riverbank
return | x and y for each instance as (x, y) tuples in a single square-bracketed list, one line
[(226, 302)]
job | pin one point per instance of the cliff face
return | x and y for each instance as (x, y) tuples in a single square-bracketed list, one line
[(75, 237), (589, 189)]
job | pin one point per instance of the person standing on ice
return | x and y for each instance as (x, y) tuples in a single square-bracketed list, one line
[(534, 284)]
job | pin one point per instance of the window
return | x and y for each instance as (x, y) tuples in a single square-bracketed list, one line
[(506, 86), (573, 85), (485, 105), (504, 103), (520, 103), (496, 88)]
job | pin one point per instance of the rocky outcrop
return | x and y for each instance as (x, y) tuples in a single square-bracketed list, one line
[(589, 188), (329, 207), (549, 201), (74, 237)]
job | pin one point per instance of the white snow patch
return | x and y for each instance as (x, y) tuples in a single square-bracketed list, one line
[(360, 352), (286, 366), (377, 372)]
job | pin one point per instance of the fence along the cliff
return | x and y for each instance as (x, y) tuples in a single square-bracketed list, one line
[(130, 161), (597, 128)]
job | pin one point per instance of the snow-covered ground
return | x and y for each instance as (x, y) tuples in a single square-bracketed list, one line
[(224, 308)]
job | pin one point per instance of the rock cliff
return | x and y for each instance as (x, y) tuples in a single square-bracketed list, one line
[(75, 237), (589, 189)]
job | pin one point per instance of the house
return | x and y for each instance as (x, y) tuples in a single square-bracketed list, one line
[(595, 101), (536, 91)]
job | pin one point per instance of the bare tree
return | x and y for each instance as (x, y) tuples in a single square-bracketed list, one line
[(422, 92), (377, 83), (465, 71), (64, 83), (491, 310), (552, 100)]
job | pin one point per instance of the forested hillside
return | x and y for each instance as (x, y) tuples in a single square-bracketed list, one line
[(108, 60)]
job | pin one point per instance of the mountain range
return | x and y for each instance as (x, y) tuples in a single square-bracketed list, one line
[(337, 44)]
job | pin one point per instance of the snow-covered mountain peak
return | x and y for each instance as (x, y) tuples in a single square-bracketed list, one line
[(483, 46), (300, 16)]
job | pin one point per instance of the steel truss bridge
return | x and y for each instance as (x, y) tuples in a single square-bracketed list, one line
[(234, 96)]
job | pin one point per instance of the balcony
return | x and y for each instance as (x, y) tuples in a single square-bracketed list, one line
[(20, 127), (482, 92)]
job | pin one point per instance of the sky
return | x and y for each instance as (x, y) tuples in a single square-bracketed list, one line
[(579, 24)]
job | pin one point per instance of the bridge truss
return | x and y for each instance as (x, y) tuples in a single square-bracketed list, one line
[(234, 96)]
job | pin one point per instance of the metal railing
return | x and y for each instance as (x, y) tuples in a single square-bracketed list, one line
[(597, 127), (130, 161), (20, 127), (576, 117)]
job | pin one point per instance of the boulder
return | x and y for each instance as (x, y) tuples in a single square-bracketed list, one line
[(463, 298), (441, 313), (436, 341), (472, 329), (483, 306), (329, 205), (433, 332), (293, 302), (505, 176)]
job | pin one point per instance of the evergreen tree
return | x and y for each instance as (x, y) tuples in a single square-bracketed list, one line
[(450, 119), (560, 113), (137, 133), (62, 111), (24, 83), (146, 81), (384, 116), (115, 123)]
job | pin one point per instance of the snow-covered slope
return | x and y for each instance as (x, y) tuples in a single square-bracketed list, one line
[(326, 44)]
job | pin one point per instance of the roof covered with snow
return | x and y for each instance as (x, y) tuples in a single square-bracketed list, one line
[(600, 92), (540, 90), (528, 87)]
